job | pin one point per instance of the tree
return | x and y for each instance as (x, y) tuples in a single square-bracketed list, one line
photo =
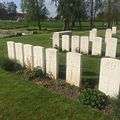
[(93, 8), (35, 10), (111, 12), (11, 9), (3, 11), (70, 11)]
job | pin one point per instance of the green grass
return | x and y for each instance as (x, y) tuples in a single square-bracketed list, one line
[(22, 100), (7, 24)]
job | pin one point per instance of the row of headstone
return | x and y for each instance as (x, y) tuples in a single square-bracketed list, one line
[(81, 44), (109, 80), (34, 56)]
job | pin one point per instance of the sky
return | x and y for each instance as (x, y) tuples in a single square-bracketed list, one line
[(50, 6)]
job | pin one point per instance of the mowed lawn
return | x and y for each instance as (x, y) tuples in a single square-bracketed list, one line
[(22, 100)]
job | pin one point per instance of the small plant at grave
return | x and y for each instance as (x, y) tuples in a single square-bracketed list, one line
[(65, 51), (56, 47), (32, 74), (10, 65), (83, 53), (77, 50), (94, 98), (59, 48), (89, 83), (50, 76)]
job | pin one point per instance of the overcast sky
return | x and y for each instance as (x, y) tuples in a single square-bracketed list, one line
[(49, 5)]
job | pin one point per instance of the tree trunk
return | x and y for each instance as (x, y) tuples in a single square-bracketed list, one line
[(66, 24), (91, 12), (39, 25)]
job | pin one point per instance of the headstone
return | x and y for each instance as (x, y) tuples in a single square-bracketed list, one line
[(109, 81), (92, 34), (19, 53), (66, 43), (108, 34), (84, 44), (111, 47), (73, 70), (75, 43), (39, 57), (114, 30), (28, 55), (97, 46), (52, 63), (11, 50), (57, 38)]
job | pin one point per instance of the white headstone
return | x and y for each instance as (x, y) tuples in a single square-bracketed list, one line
[(66, 42), (52, 63), (111, 47), (56, 39), (114, 30), (11, 50), (84, 44), (39, 57), (19, 53), (75, 43), (28, 55), (109, 81), (97, 46), (73, 70), (108, 34), (93, 34)]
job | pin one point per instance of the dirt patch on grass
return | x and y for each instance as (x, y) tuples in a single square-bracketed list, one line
[(60, 87)]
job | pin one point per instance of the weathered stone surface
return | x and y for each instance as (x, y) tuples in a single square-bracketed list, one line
[(108, 34), (56, 39), (109, 81), (28, 55), (39, 57), (97, 46), (114, 30), (84, 44), (19, 53), (92, 34), (75, 43), (66, 43), (11, 50), (111, 47), (73, 70), (52, 63)]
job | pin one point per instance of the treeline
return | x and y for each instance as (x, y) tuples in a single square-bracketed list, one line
[(71, 12), (8, 11), (75, 11)]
